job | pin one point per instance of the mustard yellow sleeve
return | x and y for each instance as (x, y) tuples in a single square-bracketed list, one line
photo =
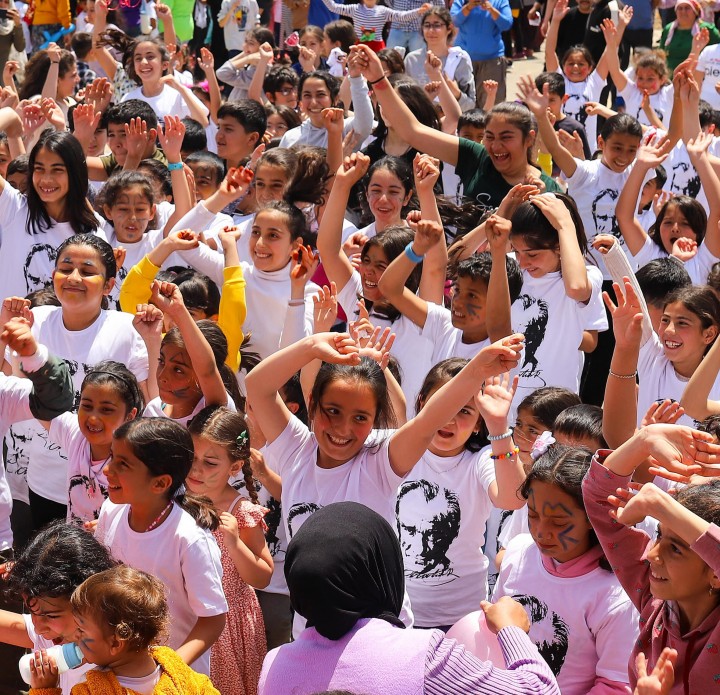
[(233, 311), (136, 286), (546, 163)]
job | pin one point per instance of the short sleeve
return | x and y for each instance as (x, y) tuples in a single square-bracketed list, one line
[(294, 443), (202, 575), (649, 252), (13, 208), (581, 176), (249, 515), (138, 362), (471, 157)]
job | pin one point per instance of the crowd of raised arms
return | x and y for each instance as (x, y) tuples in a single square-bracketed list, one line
[(335, 363)]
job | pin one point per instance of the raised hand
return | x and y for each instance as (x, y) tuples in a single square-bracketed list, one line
[(307, 59), (98, 94), (17, 335), (32, 117), (207, 60), (603, 243), (626, 315), (236, 183), (53, 113), (166, 297), (378, 346), (433, 66), (171, 137), (495, 398), (538, 103), (333, 121), (427, 234), (490, 87), (353, 169), (335, 348), (515, 196), (555, 211), (138, 137), (86, 118), (370, 65), (325, 308), (653, 153), (432, 89), (15, 307), (305, 263), (663, 412), (625, 16), (426, 171), (148, 322), (699, 144), (54, 52), (610, 32), (9, 72), (502, 356), (497, 232), (700, 41)]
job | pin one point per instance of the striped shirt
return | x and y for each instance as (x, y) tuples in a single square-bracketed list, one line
[(371, 20)]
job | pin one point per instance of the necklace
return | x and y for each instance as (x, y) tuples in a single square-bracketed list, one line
[(159, 517)]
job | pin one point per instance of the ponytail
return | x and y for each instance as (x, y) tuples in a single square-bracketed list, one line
[(199, 508)]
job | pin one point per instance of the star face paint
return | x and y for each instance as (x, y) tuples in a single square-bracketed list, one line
[(558, 525)]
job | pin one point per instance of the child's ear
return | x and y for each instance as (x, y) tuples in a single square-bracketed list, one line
[(292, 407), (116, 644), (161, 484), (600, 143), (109, 284), (131, 415), (153, 210), (270, 97), (709, 334), (107, 211), (565, 98)]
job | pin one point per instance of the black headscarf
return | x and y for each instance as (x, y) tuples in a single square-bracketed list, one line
[(345, 564)]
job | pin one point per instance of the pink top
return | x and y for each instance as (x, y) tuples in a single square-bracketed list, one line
[(698, 666)]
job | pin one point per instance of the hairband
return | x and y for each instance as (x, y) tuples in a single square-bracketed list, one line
[(119, 377), (541, 445)]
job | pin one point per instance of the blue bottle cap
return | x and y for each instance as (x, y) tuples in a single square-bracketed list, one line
[(72, 654)]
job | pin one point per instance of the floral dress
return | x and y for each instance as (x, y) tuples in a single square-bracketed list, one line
[(237, 657)]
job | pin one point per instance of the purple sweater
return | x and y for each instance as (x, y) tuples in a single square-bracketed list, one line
[(698, 663), (376, 658)]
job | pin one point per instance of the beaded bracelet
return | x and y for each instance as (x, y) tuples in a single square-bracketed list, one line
[(498, 437), (623, 376), (509, 455)]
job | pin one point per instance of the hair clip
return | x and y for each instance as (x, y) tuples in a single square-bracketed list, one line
[(541, 445), (242, 439)]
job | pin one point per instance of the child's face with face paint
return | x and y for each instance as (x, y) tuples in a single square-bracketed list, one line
[(468, 308), (97, 643), (559, 527)]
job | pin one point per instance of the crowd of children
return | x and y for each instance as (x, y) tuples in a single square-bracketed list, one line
[(236, 293)]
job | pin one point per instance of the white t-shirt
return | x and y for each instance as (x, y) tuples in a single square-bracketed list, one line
[(412, 348), (661, 103), (183, 556), (368, 478), (698, 267), (596, 189), (244, 17), (143, 685), (134, 253), (14, 409), (584, 627), (70, 678), (578, 94), (659, 380), (553, 326), (682, 177), (446, 339), (27, 260), (86, 481), (155, 409), (167, 103), (111, 337), (442, 508), (709, 63)]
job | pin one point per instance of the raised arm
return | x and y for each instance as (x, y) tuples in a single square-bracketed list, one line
[(649, 156), (265, 381), (255, 89), (409, 443), (538, 104), (168, 299), (620, 407), (171, 139), (498, 321), (207, 65), (421, 137), (696, 397), (329, 240), (392, 282), (552, 62), (612, 41), (196, 107)]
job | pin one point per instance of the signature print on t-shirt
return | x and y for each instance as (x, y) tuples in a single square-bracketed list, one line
[(428, 521), (547, 629)]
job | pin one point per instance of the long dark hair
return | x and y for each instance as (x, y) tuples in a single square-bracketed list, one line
[(77, 209), (166, 448)]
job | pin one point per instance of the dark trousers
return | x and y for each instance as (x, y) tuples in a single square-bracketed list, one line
[(632, 39), (277, 615)]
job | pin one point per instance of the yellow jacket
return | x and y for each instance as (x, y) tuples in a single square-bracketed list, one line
[(233, 310), (176, 678), (52, 12)]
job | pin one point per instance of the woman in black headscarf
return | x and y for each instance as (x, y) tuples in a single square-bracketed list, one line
[(344, 570)]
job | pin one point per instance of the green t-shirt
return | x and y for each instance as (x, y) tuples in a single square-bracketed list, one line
[(483, 183), (681, 44)]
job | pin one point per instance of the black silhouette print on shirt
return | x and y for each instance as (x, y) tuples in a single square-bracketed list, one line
[(298, 513), (684, 173), (37, 267), (603, 213), (548, 630), (536, 320), (428, 521)]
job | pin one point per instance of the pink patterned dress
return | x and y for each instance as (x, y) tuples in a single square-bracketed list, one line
[(237, 657)]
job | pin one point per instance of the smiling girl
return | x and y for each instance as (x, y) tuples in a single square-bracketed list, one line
[(562, 578), (488, 171), (319, 90), (150, 68), (55, 208), (83, 332), (672, 580)]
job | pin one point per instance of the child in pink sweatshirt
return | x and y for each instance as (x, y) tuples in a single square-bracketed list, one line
[(673, 580)]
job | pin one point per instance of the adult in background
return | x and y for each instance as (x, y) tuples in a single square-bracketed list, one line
[(406, 35), (11, 32), (572, 26), (480, 24), (639, 32), (677, 37), (344, 569), (49, 16)]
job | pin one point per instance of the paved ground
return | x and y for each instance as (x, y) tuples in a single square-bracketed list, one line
[(529, 66)]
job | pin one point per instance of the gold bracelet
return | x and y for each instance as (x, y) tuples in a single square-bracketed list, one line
[(623, 376)]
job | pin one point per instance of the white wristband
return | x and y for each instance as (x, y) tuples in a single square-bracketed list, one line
[(35, 362)]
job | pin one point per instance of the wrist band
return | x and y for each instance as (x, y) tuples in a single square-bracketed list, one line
[(380, 79), (412, 255), (623, 376), (296, 302), (174, 166), (498, 437), (508, 455)]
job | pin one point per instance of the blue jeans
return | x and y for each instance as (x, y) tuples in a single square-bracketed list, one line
[(411, 40)]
